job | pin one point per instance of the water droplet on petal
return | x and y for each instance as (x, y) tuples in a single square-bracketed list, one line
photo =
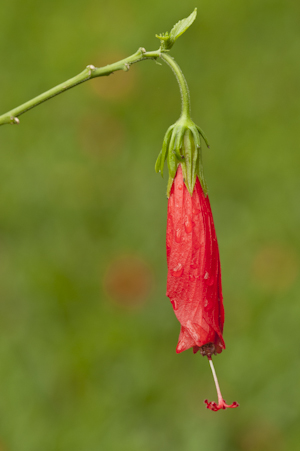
[(178, 235), (208, 305), (188, 224), (174, 304), (196, 211), (180, 187), (177, 271), (209, 280)]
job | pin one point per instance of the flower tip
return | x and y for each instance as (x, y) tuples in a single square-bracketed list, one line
[(211, 405), (234, 404), (222, 405)]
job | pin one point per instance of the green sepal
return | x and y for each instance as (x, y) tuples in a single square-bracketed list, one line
[(196, 136), (164, 150), (172, 160), (188, 149), (182, 145), (158, 162), (167, 40), (203, 136), (178, 155), (197, 142), (180, 130), (200, 173), (169, 186), (172, 164)]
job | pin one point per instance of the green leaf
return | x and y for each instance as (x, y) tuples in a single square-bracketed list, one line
[(167, 39), (182, 26)]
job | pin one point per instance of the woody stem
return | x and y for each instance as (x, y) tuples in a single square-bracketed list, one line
[(220, 397), (183, 86)]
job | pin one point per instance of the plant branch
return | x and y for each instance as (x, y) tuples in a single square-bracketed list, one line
[(11, 117), (166, 40)]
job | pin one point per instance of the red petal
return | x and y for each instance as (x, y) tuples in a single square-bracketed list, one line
[(194, 273)]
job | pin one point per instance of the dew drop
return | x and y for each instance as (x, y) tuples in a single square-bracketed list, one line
[(209, 280), (174, 304), (196, 211), (188, 224), (178, 235), (177, 271), (208, 305), (180, 187)]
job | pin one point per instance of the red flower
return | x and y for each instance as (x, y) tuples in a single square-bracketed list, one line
[(194, 273), (194, 277)]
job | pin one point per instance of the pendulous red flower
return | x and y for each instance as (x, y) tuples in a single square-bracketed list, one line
[(194, 274)]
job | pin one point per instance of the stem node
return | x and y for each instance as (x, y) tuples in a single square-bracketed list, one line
[(90, 68)]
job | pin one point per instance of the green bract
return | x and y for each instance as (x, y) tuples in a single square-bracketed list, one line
[(182, 145)]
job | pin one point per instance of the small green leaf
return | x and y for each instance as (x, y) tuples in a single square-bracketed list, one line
[(182, 26), (167, 39)]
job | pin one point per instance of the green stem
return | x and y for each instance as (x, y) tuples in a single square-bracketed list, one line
[(11, 117), (184, 90)]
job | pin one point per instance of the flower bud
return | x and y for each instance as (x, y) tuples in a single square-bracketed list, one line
[(194, 272)]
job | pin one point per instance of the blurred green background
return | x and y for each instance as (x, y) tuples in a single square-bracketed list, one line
[(88, 337)]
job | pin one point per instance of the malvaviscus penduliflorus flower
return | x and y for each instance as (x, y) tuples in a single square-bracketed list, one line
[(194, 272)]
